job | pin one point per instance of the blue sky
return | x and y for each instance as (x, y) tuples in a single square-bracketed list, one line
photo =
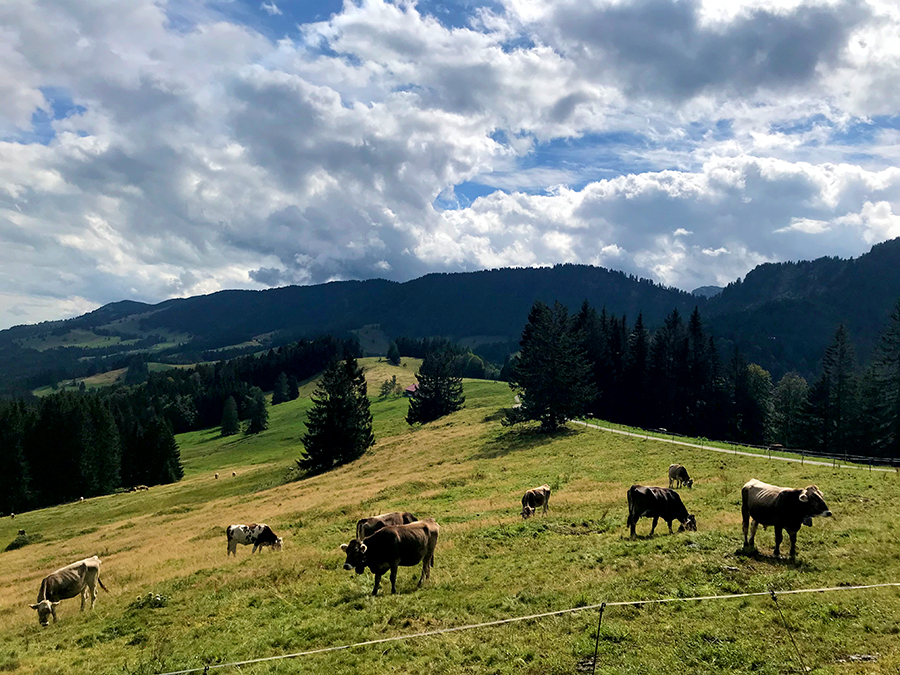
[(152, 149)]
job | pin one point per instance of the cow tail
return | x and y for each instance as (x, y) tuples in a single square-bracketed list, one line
[(101, 584)]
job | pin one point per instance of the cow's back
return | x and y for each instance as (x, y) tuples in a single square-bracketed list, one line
[(407, 544), (768, 504), (68, 581)]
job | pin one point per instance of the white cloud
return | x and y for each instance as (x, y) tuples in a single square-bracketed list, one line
[(271, 9)]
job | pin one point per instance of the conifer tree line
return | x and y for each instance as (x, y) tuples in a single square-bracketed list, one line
[(81, 444), (598, 364)]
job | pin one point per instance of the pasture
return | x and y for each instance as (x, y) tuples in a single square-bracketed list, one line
[(469, 473)]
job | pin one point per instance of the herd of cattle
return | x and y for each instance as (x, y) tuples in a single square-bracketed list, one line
[(386, 542)]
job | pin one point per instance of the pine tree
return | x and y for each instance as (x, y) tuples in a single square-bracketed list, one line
[(788, 405), (281, 393), (339, 425), (439, 391), (636, 374), (884, 393), (393, 354), (15, 422), (551, 374), (231, 423), (758, 413), (834, 398), (293, 388), (258, 413)]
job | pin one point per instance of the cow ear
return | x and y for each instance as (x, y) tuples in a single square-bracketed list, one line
[(54, 604), (344, 547), (804, 497), (34, 606), (363, 548)]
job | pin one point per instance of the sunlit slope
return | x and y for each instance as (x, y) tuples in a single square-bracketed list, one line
[(469, 473)]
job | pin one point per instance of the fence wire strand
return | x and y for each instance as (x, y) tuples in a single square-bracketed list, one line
[(499, 622)]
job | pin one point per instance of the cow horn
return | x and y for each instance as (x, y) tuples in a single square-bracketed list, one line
[(362, 548), (803, 496), (34, 606), (344, 547)]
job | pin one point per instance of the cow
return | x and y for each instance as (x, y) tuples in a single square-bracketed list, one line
[(367, 526), (781, 507), (656, 503), (532, 499), (679, 476), (233, 474), (257, 534), (79, 578), (217, 476), (392, 546), (81, 499)]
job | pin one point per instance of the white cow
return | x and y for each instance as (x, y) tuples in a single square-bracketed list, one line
[(79, 578)]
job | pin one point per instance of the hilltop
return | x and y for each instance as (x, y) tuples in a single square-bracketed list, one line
[(469, 473)]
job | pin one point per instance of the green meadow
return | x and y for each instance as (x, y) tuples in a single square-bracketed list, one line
[(468, 472)]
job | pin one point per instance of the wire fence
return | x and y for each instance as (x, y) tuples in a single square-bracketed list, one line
[(543, 615), (806, 457)]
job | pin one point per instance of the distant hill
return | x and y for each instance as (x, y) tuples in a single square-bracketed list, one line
[(707, 291), (781, 315)]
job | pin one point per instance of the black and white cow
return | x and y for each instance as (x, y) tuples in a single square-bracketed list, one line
[(534, 498), (679, 476), (656, 503), (257, 534), (782, 508), (79, 578)]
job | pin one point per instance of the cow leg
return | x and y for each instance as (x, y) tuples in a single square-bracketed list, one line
[(84, 594), (753, 525), (93, 595), (669, 523), (377, 581), (394, 579), (793, 537), (655, 521), (255, 548), (53, 610), (778, 537)]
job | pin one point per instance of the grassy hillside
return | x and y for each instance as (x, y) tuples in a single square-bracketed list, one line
[(469, 473)]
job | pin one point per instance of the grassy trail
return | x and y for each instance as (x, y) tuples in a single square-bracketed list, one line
[(469, 473)]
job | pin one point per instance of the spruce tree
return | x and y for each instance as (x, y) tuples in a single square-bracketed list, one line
[(339, 425), (551, 373), (15, 422), (439, 391), (293, 388), (231, 423), (281, 393), (883, 392), (393, 354), (789, 403), (258, 413)]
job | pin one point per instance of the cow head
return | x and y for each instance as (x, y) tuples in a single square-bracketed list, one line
[(689, 524), (278, 544), (689, 482), (45, 609), (356, 556), (813, 501), (527, 512)]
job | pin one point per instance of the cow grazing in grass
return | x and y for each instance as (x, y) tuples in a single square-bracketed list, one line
[(257, 534), (79, 578), (534, 498), (679, 476), (782, 508), (391, 547), (367, 526), (656, 503)]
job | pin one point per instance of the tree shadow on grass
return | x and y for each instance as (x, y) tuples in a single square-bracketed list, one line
[(516, 440)]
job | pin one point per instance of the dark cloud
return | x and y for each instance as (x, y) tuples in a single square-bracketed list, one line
[(662, 47)]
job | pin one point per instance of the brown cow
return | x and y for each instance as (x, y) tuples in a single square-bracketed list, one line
[(679, 476), (367, 526), (656, 503), (392, 546), (783, 508), (79, 578), (532, 499)]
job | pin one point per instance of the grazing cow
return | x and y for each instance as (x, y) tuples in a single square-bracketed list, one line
[(656, 503), (367, 526), (81, 499), (534, 498), (12, 516), (783, 508), (79, 578), (679, 476), (233, 474), (392, 546), (257, 534), (217, 475)]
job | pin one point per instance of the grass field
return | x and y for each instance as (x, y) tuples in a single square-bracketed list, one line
[(468, 472)]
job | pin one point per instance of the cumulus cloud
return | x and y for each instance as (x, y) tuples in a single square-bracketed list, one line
[(151, 150)]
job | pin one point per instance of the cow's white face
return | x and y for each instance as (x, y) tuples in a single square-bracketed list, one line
[(527, 512), (45, 611), (690, 524), (278, 543)]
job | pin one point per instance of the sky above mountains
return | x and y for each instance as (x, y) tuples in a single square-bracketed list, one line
[(153, 149)]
